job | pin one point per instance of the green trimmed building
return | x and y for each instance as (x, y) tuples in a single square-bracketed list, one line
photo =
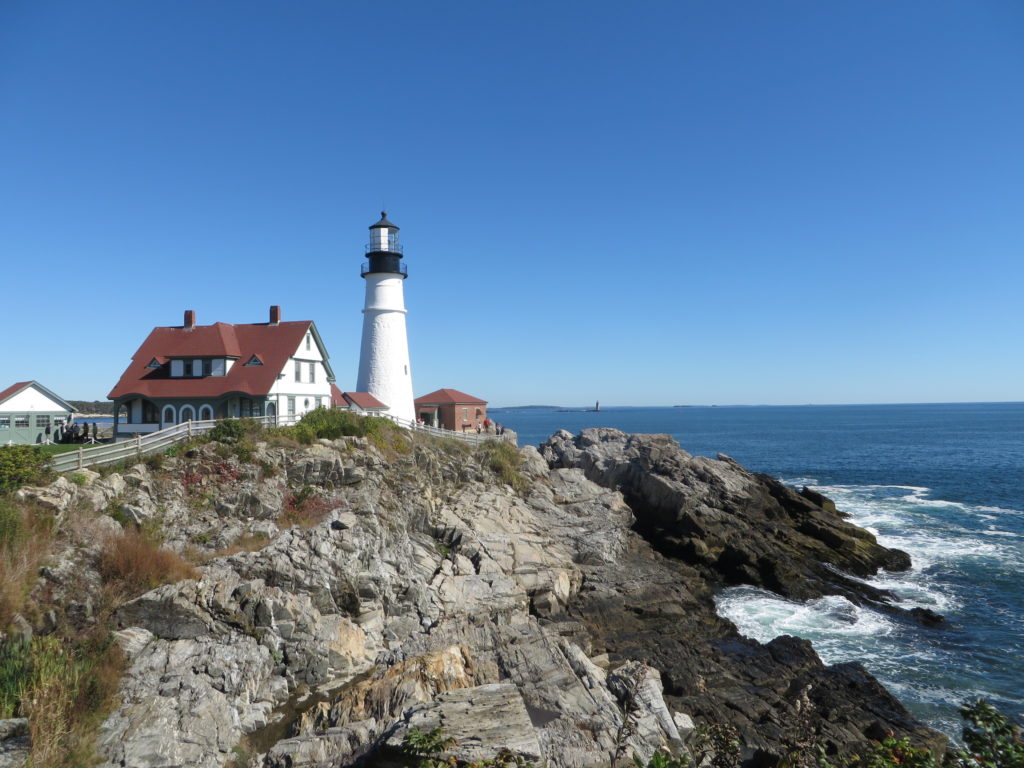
[(27, 409)]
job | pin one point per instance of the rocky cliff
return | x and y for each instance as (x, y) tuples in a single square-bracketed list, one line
[(567, 615)]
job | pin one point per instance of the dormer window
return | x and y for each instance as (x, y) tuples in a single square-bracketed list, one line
[(254, 360), (154, 363), (177, 368)]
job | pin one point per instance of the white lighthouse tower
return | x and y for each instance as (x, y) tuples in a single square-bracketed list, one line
[(384, 355)]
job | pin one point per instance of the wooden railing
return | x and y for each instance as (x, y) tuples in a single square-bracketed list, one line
[(152, 442), (142, 444), (473, 438)]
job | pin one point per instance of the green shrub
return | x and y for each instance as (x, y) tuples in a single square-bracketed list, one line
[(332, 423), (20, 465), (233, 430), (992, 740), (663, 760)]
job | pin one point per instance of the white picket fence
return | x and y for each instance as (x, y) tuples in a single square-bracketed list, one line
[(154, 442)]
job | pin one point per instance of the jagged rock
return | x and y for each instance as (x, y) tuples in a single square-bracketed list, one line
[(57, 496), (432, 592), (15, 744), (737, 527), (531, 463), (483, 721)]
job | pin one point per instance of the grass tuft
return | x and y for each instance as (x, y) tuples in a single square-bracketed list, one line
[(133, 564), (503, 459)]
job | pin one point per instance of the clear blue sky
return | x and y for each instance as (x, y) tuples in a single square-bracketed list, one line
[(766, 201)]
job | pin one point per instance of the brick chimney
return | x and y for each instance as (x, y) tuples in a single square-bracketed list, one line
[(190, 319), (275, 315)]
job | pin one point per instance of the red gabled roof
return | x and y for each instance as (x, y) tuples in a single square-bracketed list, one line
[(273, 344), (337, 396), (364, 400), (447, 396), (13, 389)]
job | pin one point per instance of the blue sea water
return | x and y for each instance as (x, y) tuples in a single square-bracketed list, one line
[(943, 482)]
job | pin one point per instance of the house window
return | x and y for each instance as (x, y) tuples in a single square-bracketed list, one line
[(42, 422), (153, 363), (5, 422), (21, 422), (169, 414), (177, 368), (207, 367), (197, 368), (309, 337), (305, 404), (254, 360), (218, 367), (312, 373), (291, 405), (58, 421), (298, 371), (465, 414)]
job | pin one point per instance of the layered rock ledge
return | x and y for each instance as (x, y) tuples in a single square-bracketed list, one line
[(570, 620)]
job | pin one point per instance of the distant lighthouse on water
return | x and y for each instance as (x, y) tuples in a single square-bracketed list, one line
[(384, 355)]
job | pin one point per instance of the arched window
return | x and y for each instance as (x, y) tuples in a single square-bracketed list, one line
[(205, 413), (168, 418), (187, 413)]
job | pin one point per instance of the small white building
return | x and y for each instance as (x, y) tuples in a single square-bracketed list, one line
[(29, 413)]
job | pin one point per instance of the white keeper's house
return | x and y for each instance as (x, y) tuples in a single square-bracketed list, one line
[(190, 371)]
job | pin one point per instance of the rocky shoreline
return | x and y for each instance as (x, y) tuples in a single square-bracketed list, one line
[(567, 616)]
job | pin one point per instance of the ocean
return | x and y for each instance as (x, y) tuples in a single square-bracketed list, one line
[(943, 482)]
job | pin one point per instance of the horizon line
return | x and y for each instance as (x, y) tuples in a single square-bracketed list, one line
[(772, 405)]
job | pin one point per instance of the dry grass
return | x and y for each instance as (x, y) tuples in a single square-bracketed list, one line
[(26, 533), (133, 564), (248, 543)]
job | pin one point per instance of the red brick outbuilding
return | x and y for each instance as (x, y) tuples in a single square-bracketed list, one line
[(451, 409)]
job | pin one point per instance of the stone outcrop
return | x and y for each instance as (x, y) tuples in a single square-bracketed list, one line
[(571, 621), (14, 742), (734, 526)]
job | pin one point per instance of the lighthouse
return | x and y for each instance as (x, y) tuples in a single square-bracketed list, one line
[(384, 354)]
